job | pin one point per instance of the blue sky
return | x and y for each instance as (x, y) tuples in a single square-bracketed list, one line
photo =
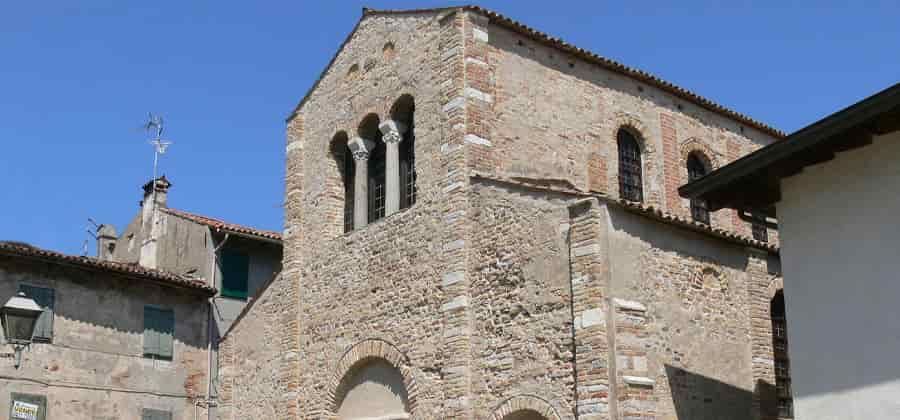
[(78, 78)]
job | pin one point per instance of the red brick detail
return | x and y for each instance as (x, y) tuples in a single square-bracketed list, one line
[(740, 227), (671, 167), (357, 355), (526, 403), (597, 168)]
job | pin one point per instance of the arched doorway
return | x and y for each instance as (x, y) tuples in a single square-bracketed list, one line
[(524, 415), (373, 388)]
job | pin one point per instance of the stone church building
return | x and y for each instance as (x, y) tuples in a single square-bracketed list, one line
[(482, 222)]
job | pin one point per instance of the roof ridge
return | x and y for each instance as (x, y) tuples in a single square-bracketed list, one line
[(558, 43)]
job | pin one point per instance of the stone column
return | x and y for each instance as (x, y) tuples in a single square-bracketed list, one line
[(360, 148), (392, 134)]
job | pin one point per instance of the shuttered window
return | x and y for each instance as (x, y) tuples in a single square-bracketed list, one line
[(235, 273), (151, 414), (44, 297), (159, 330), (631, 184)]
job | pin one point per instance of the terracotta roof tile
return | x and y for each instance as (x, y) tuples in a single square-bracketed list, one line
[(664, 216), (222, 225), (127, 269)]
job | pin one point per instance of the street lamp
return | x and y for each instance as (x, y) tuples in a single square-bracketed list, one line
[(19, 317)]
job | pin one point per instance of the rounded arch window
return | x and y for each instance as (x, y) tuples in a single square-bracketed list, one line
[(697, 168), (524, 415), (631, 177)]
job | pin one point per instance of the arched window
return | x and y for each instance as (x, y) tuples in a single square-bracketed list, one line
[(524, 415), (782, 362), (631, 184), (696, 168), (344, 160), (403, 112), (759, 229), (368, 129)]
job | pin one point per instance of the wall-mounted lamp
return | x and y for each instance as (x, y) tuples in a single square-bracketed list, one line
[(19, 317)]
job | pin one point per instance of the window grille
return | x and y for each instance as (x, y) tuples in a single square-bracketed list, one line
[(759, 229), (696, 169), (785, 402), (349, 197), (630, 177), (377, 180), (408, 188)]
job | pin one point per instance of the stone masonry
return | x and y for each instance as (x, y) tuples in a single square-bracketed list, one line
[(519, 285)]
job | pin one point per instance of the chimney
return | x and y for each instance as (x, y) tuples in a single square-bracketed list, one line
[(151, 227), (106, 242)]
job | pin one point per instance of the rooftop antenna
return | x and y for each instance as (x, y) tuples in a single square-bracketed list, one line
[(154, 127)]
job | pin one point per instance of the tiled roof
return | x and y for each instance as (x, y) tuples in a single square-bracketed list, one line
[(589, 56), (224, 226), (664, 216), (642, 209), (126, 269)]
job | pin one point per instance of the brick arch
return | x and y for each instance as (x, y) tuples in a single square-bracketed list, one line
[(362, 352), (635, 126), (695, 145), (525, 402)]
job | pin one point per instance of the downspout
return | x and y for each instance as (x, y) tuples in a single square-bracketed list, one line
[(209, 327)]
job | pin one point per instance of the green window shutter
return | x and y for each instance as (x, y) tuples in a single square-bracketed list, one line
[(159, 331), (44, 297), (235, 273), (151, 331), (166, 334), (151, 414)]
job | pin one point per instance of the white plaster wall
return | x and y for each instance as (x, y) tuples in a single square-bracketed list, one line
[(841, 261)]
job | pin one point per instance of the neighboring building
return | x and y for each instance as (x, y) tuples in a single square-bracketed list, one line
[(115, 341), (238, 260), (834, 187), (483, 222)]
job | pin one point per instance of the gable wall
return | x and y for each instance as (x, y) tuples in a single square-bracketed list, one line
[(552, 116)]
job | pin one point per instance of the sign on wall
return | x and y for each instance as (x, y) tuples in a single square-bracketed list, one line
[(28, 407)]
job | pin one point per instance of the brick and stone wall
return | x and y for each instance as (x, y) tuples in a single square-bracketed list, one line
[(545, 114), (94, 368), (516, 282)]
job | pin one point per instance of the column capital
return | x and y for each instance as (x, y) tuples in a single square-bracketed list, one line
[(360, 148), (392, 131)]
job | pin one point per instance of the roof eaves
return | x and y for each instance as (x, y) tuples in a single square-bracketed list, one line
[(221, 225), (128, 270), (562, 45), (801, 141)]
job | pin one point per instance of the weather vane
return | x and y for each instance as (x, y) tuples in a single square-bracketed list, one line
[(154, 127)]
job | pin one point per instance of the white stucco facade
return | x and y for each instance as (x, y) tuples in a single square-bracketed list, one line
[(841, 262)]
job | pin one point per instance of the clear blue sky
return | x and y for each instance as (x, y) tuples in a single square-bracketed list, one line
[(78, 78)]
